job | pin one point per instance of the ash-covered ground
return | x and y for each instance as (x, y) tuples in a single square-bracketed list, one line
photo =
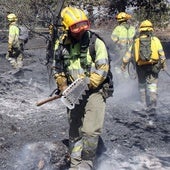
[(34, 138)]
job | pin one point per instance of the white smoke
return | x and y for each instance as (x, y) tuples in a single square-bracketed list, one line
[(125, 88), (34, 156), (141, 161)]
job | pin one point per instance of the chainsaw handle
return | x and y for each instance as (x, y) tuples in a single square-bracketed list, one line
[(48, 100)]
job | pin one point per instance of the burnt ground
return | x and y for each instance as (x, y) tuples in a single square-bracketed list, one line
[(34, 138)]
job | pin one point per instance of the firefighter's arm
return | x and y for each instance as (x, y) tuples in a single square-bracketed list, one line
[(163, 60), (98, 77), (10, 42), (58, 70), (101, 65), (11, 37), (161, 55), (164, 66), (115, 34)]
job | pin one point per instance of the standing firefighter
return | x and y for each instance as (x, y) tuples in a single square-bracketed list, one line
[(150, 58), (14, 55), (72, 61), (122, 36)]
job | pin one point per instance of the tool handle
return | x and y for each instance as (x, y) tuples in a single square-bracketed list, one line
[(48, 100)]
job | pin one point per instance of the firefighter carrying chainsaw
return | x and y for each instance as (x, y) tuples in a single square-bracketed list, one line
[(73, 60), (149, 58)]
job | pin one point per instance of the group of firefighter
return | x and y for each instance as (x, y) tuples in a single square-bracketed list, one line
[(73, 60)]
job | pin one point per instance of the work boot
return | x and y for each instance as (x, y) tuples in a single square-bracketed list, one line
[(85, 165), (151, 109), (19, 61), (151, 118), (13, 62)]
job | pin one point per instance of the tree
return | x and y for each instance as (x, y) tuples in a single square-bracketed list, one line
[(40, 12), (155, 10)]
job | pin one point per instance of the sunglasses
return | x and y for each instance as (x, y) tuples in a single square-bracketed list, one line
[(83, 25)]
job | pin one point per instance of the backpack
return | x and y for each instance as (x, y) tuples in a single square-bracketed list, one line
[(23, 34), (108, 84), (145, 48)]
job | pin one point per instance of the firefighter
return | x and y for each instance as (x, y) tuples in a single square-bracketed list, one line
[(73, 61), (147, 69), (14, 54), (122, 36)]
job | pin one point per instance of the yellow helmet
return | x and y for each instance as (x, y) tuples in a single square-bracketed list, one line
[(146, 25), (12, 17), (74, 19), (122, 16)]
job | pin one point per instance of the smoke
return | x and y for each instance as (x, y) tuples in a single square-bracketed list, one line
[(41, 156), (125, 89), (33, 156), (141, 161)]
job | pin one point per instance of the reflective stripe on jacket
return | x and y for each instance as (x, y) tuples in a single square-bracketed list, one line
[(123, 36)]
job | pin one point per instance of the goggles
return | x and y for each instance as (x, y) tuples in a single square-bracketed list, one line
[(83, 25)]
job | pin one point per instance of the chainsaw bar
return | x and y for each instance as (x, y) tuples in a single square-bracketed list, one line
[(74, 92)]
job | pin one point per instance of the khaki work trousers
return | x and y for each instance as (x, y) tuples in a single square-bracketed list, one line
[(15, 58), (148, 85), (86, 122)]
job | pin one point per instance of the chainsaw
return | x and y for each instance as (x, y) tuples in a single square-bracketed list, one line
[(71, 95)]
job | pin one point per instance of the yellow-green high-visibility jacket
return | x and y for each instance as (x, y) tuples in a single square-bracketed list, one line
[(13, 35), (97, 69), (156, 48), (123, 34)]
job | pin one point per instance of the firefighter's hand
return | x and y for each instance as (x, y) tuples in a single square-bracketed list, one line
[(123, 67), (8, 55), (164, 66), (95, 80), (51, 27), (62, 87), (61, 82)]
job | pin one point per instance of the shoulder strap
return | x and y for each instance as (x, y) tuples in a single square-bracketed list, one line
[(93, 37), (92, 46)]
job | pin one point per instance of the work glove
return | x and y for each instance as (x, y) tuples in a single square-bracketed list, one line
[(164, 66), (156, 68), (123, 66), (51, 27), (61, 81), (9, 55), (95, 80), (161, 65)]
